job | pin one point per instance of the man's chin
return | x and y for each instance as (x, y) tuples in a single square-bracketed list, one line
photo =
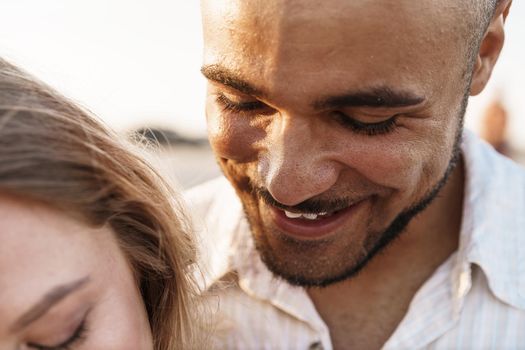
[(323, 262), (306, 263), (304, 272)]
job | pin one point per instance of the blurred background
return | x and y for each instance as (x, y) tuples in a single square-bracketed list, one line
[(136, 65)]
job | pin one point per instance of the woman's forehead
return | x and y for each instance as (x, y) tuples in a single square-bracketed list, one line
[(42, 248)]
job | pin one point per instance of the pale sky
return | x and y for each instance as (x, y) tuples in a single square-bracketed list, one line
[(137, 63)]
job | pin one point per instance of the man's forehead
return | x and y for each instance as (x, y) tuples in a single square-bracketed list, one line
[(289, 11), (274, 26), (335, 44)]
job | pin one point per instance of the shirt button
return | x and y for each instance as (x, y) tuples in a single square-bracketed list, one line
[(316, 346)]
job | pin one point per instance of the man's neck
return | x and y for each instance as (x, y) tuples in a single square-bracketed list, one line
[(364, 311)]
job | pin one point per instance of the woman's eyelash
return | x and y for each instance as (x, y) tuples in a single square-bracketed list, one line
[(76, 338)]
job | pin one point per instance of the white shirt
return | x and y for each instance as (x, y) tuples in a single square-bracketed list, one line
[(474, 300)]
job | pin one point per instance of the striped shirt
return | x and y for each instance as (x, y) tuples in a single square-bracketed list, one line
[(474, 300)]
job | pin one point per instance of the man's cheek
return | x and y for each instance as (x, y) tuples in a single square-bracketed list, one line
[(232, 137), (398, 177), (391, 168)]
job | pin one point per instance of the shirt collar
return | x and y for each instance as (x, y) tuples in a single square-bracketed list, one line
[(256, 280), (493, 224)]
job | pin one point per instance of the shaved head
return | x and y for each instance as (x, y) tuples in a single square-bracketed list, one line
[(466, 19), (483, 10), (480, 12)]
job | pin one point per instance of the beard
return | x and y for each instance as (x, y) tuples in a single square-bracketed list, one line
[(324, 262), (301, 273), (304, 272)]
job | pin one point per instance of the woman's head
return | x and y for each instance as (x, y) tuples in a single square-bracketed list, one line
[(93, 244)]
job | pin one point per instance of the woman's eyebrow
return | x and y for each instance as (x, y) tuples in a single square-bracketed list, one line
[(51, 298)]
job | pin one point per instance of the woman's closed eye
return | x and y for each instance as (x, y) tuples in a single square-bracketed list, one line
[(75, 339)]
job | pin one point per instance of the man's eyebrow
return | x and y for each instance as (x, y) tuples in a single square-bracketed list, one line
[(378, 97), (50, 299), (224, 76)]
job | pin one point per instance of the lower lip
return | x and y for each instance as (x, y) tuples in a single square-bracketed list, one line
[(314, 229)]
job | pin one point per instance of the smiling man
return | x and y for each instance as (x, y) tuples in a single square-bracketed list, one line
[(358, 214)]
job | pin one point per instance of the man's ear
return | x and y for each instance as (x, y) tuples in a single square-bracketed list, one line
[(490, 48)]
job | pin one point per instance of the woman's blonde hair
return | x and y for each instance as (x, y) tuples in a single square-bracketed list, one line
[(53, 151)]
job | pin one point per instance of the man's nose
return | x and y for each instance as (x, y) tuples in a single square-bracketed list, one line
[(298, 164)]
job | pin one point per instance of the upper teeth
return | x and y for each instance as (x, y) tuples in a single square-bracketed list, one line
[(309, 216), (292, 215)]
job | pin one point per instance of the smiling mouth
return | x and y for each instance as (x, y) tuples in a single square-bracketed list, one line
[(318, 225)]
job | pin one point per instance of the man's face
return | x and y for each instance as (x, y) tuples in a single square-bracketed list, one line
[(344, 111)]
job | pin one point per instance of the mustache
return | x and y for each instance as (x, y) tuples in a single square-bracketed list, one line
[(308, 206)]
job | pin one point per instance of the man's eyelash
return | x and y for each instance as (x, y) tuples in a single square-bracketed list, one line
[(369, 129), (231, 106)]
